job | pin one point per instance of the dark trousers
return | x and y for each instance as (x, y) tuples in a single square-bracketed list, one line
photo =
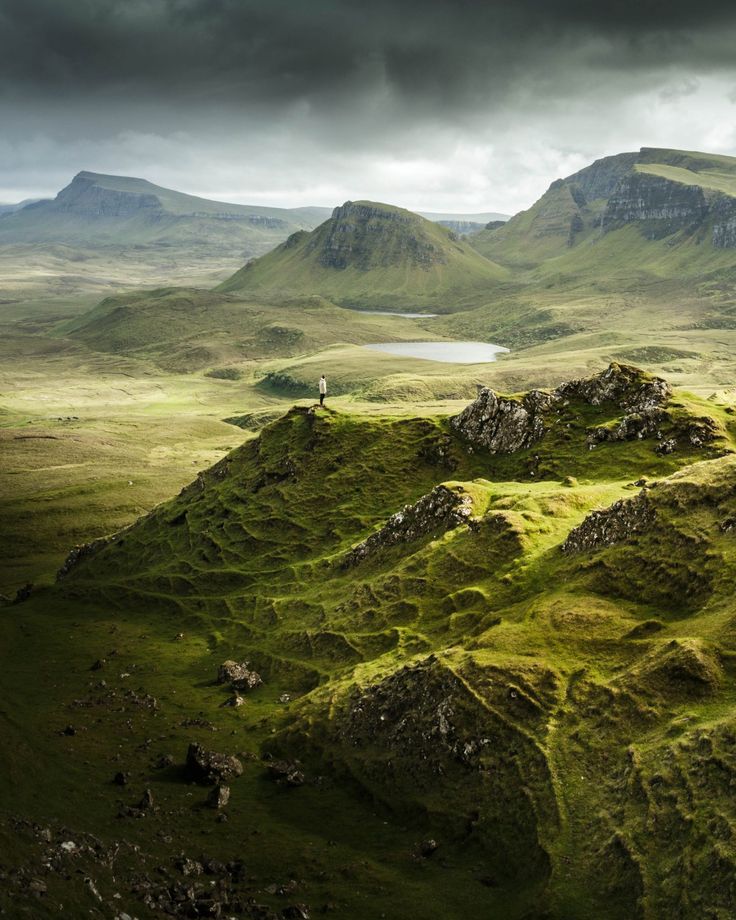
[(321, 399)]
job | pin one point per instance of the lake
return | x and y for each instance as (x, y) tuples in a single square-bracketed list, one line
[(393, 313), (448, 352)]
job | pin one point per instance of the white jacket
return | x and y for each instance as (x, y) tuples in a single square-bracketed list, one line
[(322, 385)]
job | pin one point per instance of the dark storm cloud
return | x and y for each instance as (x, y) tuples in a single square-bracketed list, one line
[(439, 104), (251, 51)]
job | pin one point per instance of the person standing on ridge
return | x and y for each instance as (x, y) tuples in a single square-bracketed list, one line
[(322, 389)]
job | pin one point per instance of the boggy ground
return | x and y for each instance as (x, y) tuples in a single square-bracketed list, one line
[(502, 704)]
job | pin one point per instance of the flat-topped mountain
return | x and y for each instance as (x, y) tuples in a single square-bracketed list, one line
[(684, 197), (372, 254), (96, 209)]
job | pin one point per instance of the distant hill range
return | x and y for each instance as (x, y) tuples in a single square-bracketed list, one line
[(95, 210), (684, 198), (11, 208), (372, 254), (98, 210)]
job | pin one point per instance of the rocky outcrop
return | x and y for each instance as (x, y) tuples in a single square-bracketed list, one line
[(641, 196), (507, 424), (612, 525), (504, 424), (474, 730), (84, 551), (363, 236), (627, 387), (600, 178), (635, 426), (440, 510)]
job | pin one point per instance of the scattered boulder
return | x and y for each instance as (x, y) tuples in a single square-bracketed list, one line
[(219, 796), (442, 509), (427, 847), (233, 701), (287, 773), (22, 594), (147, 800), (210, 767), (612, 525), (296, 912), (121, 778), (239, 675)]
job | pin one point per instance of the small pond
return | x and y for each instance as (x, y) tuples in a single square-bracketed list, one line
[(448, 352)]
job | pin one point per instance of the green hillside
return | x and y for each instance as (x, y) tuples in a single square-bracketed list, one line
[(671, 195), (188, 330), (100, 210), (377, 255), (493, 660)]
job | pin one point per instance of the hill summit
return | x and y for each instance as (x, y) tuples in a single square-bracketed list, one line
[(367, 252)]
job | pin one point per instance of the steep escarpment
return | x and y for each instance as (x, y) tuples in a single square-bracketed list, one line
[(662, 193)]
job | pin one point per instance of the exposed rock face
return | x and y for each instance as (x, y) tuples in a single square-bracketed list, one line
[(210, 767), (440, 510), (724, 223), (360, 233), (503, 425), (84, 197), (612, 525), (83, 551), (507, 424), (600, 178), (634, 426), (479, 731), (645, 197), (622, 384)]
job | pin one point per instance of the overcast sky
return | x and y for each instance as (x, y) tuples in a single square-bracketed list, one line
[(446, 105)]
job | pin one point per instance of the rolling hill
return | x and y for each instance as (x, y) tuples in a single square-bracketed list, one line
[(496, 663), (373, 255)]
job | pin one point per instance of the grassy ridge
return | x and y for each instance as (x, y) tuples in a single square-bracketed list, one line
[(488, 631)]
